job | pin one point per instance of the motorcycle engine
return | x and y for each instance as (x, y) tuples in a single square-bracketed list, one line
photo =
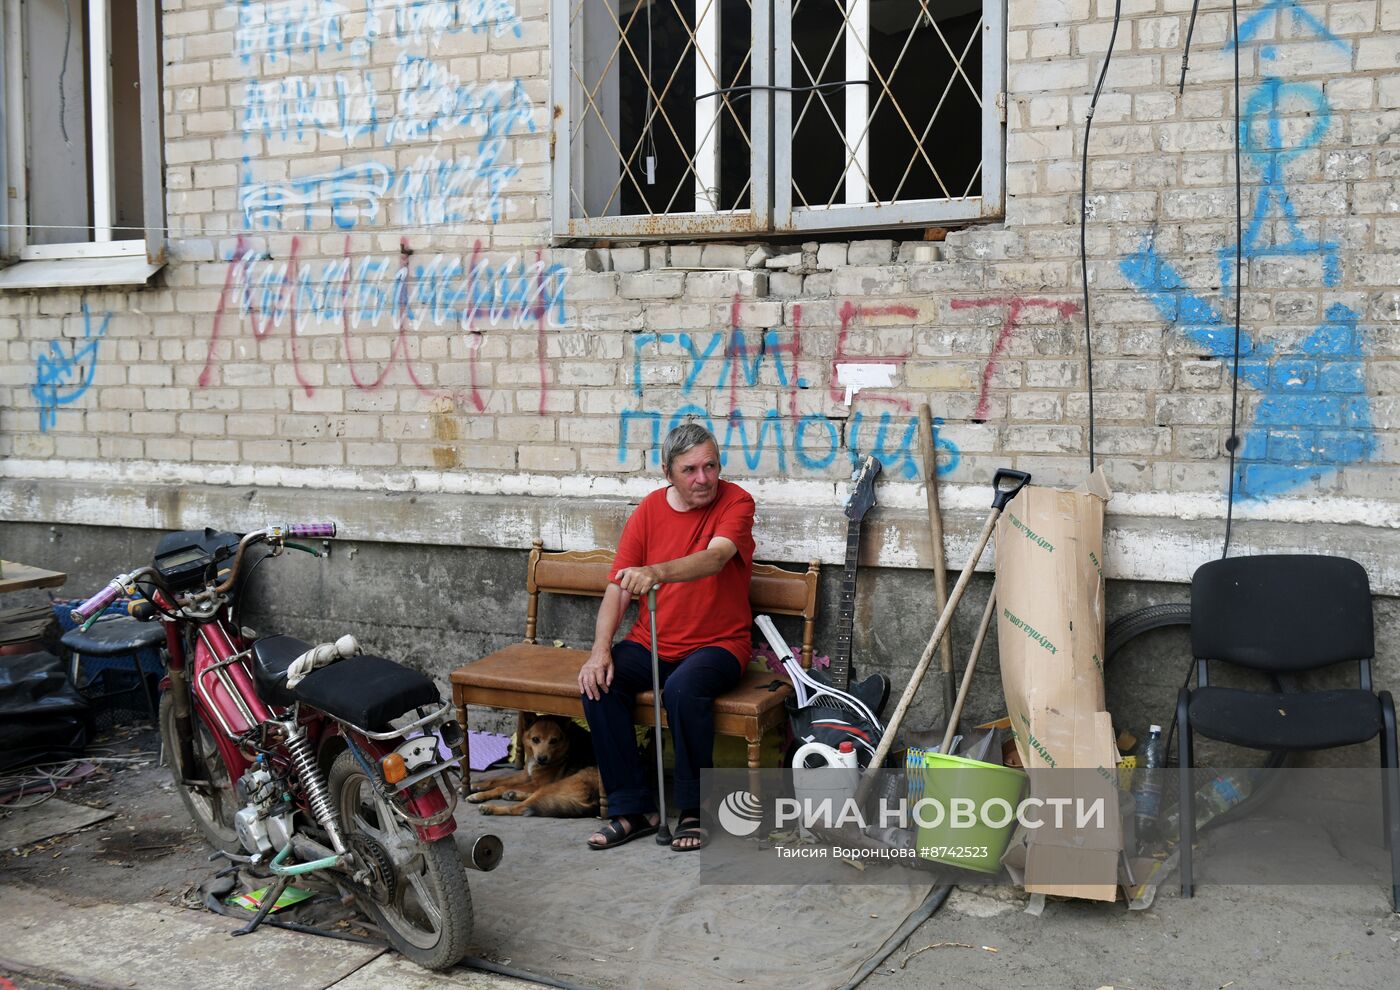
[(264, 823)]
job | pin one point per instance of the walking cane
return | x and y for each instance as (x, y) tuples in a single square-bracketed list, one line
[(663, 834), (1001, 494), (940, 559)]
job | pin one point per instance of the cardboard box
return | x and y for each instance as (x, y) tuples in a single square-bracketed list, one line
[(1050, 633)]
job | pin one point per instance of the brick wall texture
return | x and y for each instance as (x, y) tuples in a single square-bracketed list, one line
[(362, 283)]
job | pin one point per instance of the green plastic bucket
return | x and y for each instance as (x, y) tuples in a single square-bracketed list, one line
[(977, 846)]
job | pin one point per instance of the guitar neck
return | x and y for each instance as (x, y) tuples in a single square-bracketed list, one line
[(840, 674)]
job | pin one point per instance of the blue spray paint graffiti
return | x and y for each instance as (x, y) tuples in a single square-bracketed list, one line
[(428, 191), (1262, 140), (288, 28), (1313, 415), (435, 103), (346, 195), (1303, 20), (431, 104), (429, 21), (342, 105), (442, 289), (812, 441), (61, 378), (283, 29)]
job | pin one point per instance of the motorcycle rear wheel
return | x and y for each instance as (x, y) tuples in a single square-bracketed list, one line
[(213, 812), (427, 917)]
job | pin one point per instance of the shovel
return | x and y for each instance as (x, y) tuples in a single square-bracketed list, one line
[(1005, 486)]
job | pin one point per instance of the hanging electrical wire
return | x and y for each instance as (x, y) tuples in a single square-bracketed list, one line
[(648, 131), (1233, 442), (1186, 49), (1083, 221)]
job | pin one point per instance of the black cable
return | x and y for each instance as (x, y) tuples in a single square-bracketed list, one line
[(140, 586), (1233, 442), (487, 966), (213, 903), (1186, 51), (747, 90), (922, 913), (1084, 219)]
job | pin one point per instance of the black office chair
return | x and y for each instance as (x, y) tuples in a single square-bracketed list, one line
[(1284, 614)]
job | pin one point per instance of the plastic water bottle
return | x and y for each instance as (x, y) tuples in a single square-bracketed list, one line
[(1147, 794)]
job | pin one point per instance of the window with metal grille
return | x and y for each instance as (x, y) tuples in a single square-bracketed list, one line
[(696, 117)]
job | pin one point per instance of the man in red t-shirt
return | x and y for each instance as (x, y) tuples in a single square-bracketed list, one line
[(694, 538)]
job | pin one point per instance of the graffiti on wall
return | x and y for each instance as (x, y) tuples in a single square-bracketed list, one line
[(734, 359), (1015, 308), (1313, 415), (406, 292), (426, 104), (63, 376)]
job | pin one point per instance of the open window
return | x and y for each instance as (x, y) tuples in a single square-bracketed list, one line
[(695, 117), (82, 142)]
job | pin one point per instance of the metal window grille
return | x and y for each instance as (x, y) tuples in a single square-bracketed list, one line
[(695, 117)]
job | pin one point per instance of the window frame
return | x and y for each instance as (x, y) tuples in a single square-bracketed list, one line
[(772, 211), (14, 146), (563, 89)]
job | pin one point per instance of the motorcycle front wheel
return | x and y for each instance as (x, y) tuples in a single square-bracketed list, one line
[(212, 809), (419, 897)]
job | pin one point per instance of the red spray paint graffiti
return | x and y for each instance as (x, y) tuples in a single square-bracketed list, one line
[(407, 292), (1015, 306), (736, 350), (851, 312)]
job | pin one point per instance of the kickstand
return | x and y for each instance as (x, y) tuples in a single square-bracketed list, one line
[(269, 899)]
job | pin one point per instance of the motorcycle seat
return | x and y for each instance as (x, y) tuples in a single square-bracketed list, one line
[(114, 637), (271, 658), (366, 691)]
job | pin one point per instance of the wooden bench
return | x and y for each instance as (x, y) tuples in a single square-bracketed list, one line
[(530, 677)]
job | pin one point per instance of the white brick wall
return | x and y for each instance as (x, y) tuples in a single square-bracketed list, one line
[(279, 334)]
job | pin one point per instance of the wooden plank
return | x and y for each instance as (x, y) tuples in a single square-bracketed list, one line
[(18, 577)]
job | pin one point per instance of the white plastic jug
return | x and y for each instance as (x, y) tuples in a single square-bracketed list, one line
[(835, 781)]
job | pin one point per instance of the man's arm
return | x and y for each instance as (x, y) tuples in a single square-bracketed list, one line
[(710, 561), (595, 676)]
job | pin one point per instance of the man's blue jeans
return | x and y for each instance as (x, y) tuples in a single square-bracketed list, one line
[(689, 689)]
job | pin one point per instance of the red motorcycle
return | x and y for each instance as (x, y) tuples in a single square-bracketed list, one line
[(296, 759)]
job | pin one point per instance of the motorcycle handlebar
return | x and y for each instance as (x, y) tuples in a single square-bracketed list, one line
[(276, 534), (99, 601), (105, 597), (319, 530)]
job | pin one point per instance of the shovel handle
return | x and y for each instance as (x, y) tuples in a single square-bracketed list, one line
[(1006, 484)]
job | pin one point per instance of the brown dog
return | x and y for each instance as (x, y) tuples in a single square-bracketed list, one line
[(560, 779)]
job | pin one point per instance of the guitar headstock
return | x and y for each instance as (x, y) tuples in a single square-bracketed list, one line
[(863, 495)]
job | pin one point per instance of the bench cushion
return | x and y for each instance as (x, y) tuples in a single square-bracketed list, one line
[(530, 668)]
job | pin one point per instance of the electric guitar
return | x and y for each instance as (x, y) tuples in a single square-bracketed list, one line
[(874, 690)]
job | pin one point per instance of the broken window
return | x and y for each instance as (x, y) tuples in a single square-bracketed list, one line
[(81, 134), (732, 117)]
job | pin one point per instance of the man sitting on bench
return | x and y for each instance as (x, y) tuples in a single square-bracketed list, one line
[(694, 538)]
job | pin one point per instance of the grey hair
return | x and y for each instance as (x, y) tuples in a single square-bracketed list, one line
[(683, 438)]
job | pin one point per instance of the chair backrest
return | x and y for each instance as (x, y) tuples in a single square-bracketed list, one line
[(772, 590), (1282, 612)]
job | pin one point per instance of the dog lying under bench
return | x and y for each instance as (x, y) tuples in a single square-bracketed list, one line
[(560, 779)]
